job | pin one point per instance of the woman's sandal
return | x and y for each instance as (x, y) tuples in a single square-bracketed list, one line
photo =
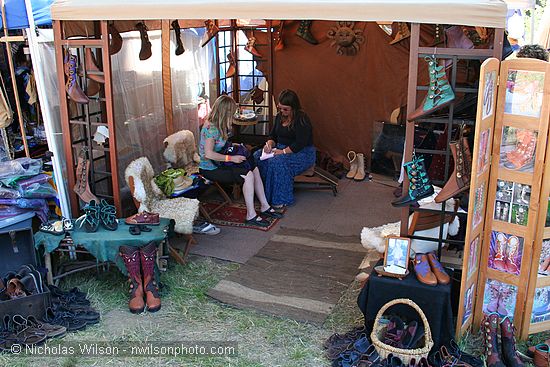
[(257, 221), (272, 213), (107, 214), (135, 230)]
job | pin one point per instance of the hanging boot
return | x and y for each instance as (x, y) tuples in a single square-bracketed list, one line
[(438, 36), (211, 31), (508, 344), (492, 351), (73, 89), (232, 65), (420, 186), (251, 47), (511, 258), (360, 174), (304, 32), (179, 42), (148, 260), (440, 93), (460, 178), (82, 187), (145, 51), (115, 43), (499, 261), (494, 299), (403, 32), (130, 256), (279, 44), (93, 88), (92, 70), (352, 157)]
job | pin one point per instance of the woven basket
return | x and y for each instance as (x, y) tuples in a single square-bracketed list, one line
[(405, 354)]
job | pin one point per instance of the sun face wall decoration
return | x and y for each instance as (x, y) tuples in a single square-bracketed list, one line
[(346, 39)]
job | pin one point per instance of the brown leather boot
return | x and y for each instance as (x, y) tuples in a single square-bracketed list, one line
[(148, 259), (130, 256), (82, 186), (508, 344), (460, 178), (437, 269), (489, 328), (115, 43), (232, 69), (73, 89), (179, 42), (279, 43), (403, 32), (92, 68), (93, 88), (251, 47), (145, 51), (542, 354)]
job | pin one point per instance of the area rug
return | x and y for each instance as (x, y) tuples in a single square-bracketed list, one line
[(298, 274), (234, 215)]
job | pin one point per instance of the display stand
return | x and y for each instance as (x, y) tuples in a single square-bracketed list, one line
[(508, 238)]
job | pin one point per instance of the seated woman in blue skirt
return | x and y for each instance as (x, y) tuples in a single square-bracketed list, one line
[(291, 142)]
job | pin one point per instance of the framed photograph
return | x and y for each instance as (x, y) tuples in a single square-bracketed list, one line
[(518, 148), (489, 93), (524, 93), (499, 297), (397, 254), (478, 205), (473, 257), (544, 261), (468, 303), (547, 223), (483, 158), (541, 305), (512, 202), (505, 252)]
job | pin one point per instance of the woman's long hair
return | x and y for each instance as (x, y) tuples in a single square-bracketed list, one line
[(221, 116), (288, 97)]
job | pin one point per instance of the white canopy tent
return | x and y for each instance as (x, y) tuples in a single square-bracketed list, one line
[(486, 13)]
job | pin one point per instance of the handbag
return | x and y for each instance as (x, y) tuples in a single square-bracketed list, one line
[(239, 149)]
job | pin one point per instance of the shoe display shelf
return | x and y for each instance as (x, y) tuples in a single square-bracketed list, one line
[(507, 249)]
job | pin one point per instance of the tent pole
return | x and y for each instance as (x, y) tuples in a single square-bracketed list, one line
[(167, 77), (14, 82), (38, 66)]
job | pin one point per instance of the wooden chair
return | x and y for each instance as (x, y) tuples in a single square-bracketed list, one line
[(316, 178), (148, 197)]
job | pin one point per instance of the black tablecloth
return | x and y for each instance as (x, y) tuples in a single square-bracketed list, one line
[(434, 301)]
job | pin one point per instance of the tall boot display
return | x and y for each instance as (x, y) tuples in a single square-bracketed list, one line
[(148, 260), (420, 186), (508, 344), (73, 89), (91, 67), (304, 32), (82, 186), (179, 42), (489, 328), (440, 93), (360, 174), (352, 157), (115, 43), (459, 180), (132, 261), (403, 32), (145, 51)]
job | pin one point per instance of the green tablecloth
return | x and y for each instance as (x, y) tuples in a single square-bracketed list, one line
[(104, 244)]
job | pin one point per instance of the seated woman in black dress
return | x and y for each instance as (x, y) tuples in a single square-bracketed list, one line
[(291, 142), (213, 138)]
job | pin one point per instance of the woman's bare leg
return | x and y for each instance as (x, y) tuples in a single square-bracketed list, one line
[(248, 193), (259, 189)]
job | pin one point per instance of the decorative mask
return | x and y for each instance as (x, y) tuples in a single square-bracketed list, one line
[(345, 38)]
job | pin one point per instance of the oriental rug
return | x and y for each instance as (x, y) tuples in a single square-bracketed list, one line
[(234, 215)]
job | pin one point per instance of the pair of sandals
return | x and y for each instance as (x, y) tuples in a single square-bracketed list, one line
[(138, 228), (206, 228), (57, 227), (259, 220), (96, 214)]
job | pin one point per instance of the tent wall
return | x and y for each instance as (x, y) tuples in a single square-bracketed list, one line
[(16, 13)]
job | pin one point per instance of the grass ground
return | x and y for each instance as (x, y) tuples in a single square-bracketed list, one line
[(189, 315)]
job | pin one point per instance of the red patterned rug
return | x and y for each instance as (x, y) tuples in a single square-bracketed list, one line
[(234, 215)]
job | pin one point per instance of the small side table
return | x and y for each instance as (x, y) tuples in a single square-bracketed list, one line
[(434, 301)]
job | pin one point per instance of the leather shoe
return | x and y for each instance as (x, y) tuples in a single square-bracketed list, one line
[(423, 271), (437, 269)]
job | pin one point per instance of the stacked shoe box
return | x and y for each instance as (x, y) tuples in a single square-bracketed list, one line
[(17, 249)]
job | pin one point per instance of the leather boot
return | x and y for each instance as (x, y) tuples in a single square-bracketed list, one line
[(438, 270), (542, 355), (82, 186), (305, 33), (420, 185), (115, 43), (212, 30), (403, 32), (438, 36), (440, 93), (73, 89), (148, 259), (251, 47), (232, 69), (179, 42), (131, 258), (508, 344), (360, 174), (92, 68), (489, 328), (512, 254), (145, 51), (459, 180), (352, 157), (423, 271), (499, 261), (279, 44), (93, 88)]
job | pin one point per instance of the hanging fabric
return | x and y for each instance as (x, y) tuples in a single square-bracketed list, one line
[(6, 113)]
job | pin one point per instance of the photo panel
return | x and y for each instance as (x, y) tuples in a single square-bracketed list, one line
[(478, 205), (512, 202), (518, 148), (483, 157), (505, 252), (547, 223), (489, 93), (473, 256), (524, 93), (499, 298), (544, 261), (541, 305), (468, 303)]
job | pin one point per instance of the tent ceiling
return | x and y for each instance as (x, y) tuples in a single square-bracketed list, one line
[(488, 13)]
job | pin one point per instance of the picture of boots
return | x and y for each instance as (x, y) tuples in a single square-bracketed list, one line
[(304, 32), (518, 148), (541, 305), (499, 259), (513, 260), (403, 32), (499, 298), (494, 297), (420, 185), (544, 262), (145, 51), (505, 209), (179, 42), (73, 89), (150, 285), (506, 296), (352, 157), (132, 260), (505, 252)]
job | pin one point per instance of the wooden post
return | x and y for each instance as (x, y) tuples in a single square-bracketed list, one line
[(14, 82), (167, 77)]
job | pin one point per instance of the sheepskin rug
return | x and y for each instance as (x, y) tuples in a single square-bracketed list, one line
[(181, 152)]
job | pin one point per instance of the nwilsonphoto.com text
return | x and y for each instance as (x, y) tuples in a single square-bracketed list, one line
[(127, 349)]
